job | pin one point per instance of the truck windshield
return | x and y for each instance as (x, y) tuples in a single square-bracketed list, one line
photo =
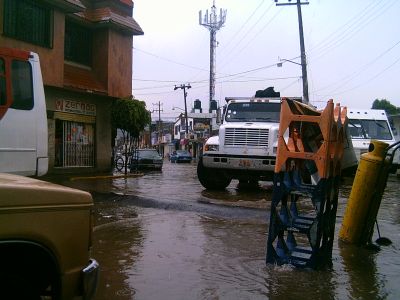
[(369, 129), (253, 112)]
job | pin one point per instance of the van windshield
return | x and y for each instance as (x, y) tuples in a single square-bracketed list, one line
[(369, 129), (253, 112)]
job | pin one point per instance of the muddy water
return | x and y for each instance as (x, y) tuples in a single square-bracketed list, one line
[(185, 250)]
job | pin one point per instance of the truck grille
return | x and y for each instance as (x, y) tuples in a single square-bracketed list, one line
[(246, 137)]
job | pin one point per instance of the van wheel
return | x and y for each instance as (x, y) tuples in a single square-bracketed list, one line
[(212, 179), (26, 286)]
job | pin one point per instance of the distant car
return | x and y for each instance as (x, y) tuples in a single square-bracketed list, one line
[(180, 156), (146, 159)]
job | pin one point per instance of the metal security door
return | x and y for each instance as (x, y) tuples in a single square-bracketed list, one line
[(78, 144)]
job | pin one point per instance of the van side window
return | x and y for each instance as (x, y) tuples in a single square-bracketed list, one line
[(21, 81), (2, 82)]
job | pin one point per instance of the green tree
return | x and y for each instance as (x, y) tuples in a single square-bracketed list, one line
[(389, 108), (130, 116)]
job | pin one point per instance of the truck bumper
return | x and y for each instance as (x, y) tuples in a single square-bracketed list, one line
[(90, 279), (250, 163)]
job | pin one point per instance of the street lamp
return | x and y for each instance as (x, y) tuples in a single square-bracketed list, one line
[(304, 75), (279, 64)]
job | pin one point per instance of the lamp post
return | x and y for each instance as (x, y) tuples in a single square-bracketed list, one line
[(279, 64), (175, 107), (184, 87), (304, 76)]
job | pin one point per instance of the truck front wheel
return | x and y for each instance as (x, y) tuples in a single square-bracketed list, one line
[(212, 179)]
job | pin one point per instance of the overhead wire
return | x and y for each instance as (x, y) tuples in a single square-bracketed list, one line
[(257, 34), (346, 79), (339, 30), (236, 34), (225, 60), (169, 60), (368, 80), (358, 25)]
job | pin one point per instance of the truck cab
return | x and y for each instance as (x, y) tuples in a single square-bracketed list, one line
[(245, 148)]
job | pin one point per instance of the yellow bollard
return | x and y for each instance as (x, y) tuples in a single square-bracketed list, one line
[(363, 203)]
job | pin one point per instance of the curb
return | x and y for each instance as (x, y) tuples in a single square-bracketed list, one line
[(107, 176)]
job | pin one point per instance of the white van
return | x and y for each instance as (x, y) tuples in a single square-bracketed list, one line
[(367, 124)]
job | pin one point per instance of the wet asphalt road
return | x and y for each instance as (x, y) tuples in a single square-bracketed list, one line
[(162, 236)]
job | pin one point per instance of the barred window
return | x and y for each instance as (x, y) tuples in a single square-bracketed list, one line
[(78, 43), (28, 21)]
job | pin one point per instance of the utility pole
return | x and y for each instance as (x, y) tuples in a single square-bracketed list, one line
[(159, 110), (213, 23), (299, 3), (184, 87)]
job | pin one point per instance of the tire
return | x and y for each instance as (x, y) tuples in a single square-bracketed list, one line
[(119, 164), (27, 273), (212, 179)]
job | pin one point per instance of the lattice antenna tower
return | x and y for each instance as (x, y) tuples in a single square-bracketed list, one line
[(213, 23)]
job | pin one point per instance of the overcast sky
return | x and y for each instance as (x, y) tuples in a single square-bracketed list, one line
[(352, 48)]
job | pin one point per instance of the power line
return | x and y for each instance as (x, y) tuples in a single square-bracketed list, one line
[(346, 79), (226, 60), (339, 31), (224, 76), (368, 80), (254, 37), (352, 30), (236, 35), (169, 60)]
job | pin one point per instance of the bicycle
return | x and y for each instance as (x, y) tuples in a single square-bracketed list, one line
[(120, 161)]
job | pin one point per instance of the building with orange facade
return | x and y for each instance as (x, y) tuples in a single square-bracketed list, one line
[(85, 49)]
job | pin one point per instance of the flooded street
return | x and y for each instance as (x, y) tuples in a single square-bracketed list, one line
[(162, 236)]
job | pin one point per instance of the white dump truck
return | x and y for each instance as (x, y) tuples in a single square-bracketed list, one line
[(245, 148)]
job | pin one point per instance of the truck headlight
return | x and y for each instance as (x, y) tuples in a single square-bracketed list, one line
[(211, 147)]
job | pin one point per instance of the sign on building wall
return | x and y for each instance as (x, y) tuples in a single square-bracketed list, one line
[(76, 107), (201, 124)]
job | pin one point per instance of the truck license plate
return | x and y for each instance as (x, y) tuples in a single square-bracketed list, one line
[(244, 163)]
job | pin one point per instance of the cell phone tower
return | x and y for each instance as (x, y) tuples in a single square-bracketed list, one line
[(213, 22)]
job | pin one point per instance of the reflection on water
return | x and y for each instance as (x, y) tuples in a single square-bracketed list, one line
[(361, 271), (150, 253), (182, 255), (113, 244)]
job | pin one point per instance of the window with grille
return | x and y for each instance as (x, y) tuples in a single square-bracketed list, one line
[(74, 144), (28, 21), (78, 43)]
